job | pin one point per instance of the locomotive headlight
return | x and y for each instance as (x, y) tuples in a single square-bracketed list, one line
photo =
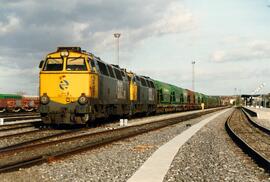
[(82, 99), (44, 99), (64, 53)]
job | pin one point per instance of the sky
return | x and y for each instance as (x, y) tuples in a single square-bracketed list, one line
[(229, 40)]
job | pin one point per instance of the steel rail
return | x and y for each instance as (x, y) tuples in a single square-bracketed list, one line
[(35, 142), (5, 115), (260, 159), (18, 126), (18, 134), (19, 118), (257, 125)]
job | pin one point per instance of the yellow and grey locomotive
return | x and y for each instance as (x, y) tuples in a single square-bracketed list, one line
[(77, 87)]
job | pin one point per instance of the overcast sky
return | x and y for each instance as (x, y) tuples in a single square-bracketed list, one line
[(229, 40)]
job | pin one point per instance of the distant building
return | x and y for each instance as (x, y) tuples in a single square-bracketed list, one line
[(257, 100), (227, 100)]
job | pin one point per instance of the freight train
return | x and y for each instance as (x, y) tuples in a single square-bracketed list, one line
[(77, 87), (17, 103)]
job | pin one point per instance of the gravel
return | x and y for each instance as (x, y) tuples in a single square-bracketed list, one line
[(118, 161), (211, 155), (5, 142), (21, 130)]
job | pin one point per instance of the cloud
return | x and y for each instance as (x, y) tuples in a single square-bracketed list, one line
[(15, 79), (51, 23), (135, 22), (10, 26), (30, 29), (242, 50), (218, 56), (43, 26)]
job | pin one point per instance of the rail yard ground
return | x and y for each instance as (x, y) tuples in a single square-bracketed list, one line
[(210, 155)]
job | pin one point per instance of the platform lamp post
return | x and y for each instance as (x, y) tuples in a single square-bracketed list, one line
[(117, 36), (193, 75)]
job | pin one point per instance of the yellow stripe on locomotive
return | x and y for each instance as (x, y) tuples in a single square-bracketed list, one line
[(133, 88)]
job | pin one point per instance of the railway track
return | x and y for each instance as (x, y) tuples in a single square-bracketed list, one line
[(18, 126), (41, 141), (19, 121), (20, 118), (252, 139), (4, 115), (254, 123), (28, 154), (18, 134)]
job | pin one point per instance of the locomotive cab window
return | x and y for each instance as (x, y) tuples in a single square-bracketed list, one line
[(143, 82), (76, 64), (55, 64), (102, 68), (111, 71), (137, 79), (118, 74)]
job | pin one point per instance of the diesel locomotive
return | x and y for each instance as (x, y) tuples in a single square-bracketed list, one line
[(77, 87)]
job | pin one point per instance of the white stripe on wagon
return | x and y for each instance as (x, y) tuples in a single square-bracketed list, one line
[(156, 166)]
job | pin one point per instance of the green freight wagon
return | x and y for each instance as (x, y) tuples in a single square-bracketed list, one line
[(170, 97)]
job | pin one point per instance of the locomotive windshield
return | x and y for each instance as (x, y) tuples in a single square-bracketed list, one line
[(76, 64), (55, 64)]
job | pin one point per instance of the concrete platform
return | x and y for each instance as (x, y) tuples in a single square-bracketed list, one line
[(262, 116), (156, 167), (262, 113)]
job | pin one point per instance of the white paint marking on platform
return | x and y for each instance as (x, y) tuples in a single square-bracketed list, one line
[(156, 166)]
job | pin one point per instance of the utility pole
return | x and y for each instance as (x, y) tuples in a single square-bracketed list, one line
[(240, 93), (235, 96), (193, 75), (117, 36)]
